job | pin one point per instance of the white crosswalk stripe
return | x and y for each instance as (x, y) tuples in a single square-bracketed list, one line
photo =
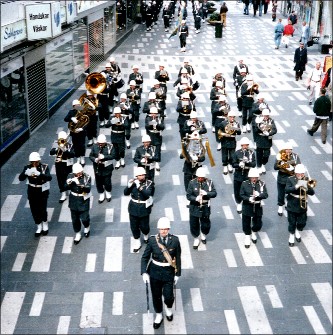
[(43, 254)]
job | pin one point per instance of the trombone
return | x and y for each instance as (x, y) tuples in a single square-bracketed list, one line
[(303, 194)]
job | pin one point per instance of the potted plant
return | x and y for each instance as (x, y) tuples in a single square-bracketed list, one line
[(213, 18), (211, 7)]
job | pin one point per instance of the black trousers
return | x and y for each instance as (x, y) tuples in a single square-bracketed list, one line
[(79, 143), (62, 171), (103, 183), (237, 186), (246, 115), (281, 193), (227, 154), (256, 223), (199, 224), (296, 220), (120, 150), (182, 41), (262, 156), (78, 217), (38, 205), (138, 225), (161, 288)]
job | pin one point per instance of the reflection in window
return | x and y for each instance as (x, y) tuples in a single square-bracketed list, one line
[(13, 107)]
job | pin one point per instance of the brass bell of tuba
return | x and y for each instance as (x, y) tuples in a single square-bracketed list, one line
[(95, 82)]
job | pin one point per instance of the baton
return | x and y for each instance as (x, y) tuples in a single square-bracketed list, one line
[(147, 295)]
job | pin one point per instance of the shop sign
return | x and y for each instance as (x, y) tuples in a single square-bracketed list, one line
[(12, 33), (39, 23), (70, 14), (56, 20)]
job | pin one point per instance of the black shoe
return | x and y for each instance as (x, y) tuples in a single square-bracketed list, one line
[(157, 325), (136, 250), (87, 234), (145, 241), (291, 244), (310, 132), (195, 247), (204, 241), (37, 234), (298, 239), (247, 246), (280, 214), (77, 241), (45, 232), (61, 201), (323, 142), (170, 318), (108, 199), (310, 103)]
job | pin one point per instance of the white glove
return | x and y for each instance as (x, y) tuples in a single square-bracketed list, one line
[(75, 180), (198, 198), (266, 133), (100, 156), (302, 183), (143, 160), (203, 192), (114, 120), (69, 181), (241, 165), (96, 160), (251, 199), (137, 182), (130, 183), (145, 278), (28, 172), (175, 281), (79, 130), (74, 119), (194, 157), (192, 128), (297, 186), (290, 168), (34, 171), (256, 194)]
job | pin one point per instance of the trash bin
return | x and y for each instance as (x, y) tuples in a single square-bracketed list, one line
[(218, 30)]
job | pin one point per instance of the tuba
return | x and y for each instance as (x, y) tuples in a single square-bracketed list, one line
[(284, 161), (228, 129), (265, 126), (193, 149)]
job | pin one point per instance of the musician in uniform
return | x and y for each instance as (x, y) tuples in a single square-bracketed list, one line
[(257, 108), (189, 68), (183, 75), (134, 99), (218, 77), (227, 131), (298, 188), (64, 155), (194, 124), (126, 112), (252, 192), (161, 267), (163, 77), (238, 69), (141, 190), (102, 155), (193, 152), (92, 112), (160, 94), (154, 125), (146, 156), (184, 109), (215, 93), (185, 87), (265, 130), (39, 178), (79, 184), (238, 81), (115, 72), (183, 34), (242, 161), (285, 163), (166, 17), (199, 192), (137, 77), (248, 89), (77, 131), (119, 130), (219, 114), (152, 102)]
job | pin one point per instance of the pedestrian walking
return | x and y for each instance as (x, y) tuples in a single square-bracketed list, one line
[(39, 177), (288, 32), (199, 192), (274, 8), (141, 191), (300, 60), (323, 110), (161, 268), (314, 82), (305, 33), (252, 192), (278, 31), (223, 13), (79, 184), (298, 188)]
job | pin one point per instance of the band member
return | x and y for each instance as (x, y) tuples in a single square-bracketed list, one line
[(77, 124), (152, 102), (257, 108), (146, 156), (184, 109), (248, 89), (265, 130), (102, 154), (119, 130), (193, 151), (137, 77), (160, 94), (298, 188), (252, 192), (39, 178), (193, 124), (218, 77), (188, 67), (141, 190), (285, 163), (166, 17), (161, 267), (183, 34), (64, 155), (183, 75), (79, 184), (240, 66), (216, 92), (199, 192), (126, 112), (134, 98), (163, 77), (240, 79), (242, 161), (219, 114), (227, 131), (154, 126), (185, 87)]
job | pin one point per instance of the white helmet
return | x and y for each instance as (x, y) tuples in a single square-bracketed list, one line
[(185, 95), (107, 64), (201, 172), (153, 110), (186, 60), (287, 145), (123, 96), (146, 138), (76, 102), (135, 67), (62, 134), (138, 171), (244, 140), (253, 173), (193, 115), (112, 59), (156, 82), (117, 110), (163, 222), (232, 113), (265, 112), (299, 168), (132, 83), (222, 98), (151, 95), (262, 106), (219, 84), (34, 157), (101, 138), (77, 168)]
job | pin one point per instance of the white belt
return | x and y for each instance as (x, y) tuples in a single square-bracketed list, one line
[(118, 132), (185, 114), (34, 185), (139, 201), (160, 263), (315, 81), (154, 131), (220, 116), (77, 194), (294, 195)]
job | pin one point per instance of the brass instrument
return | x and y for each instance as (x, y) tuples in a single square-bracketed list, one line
[(229, 129), (62, 142), (303, 190), (95, 82), (255, 87), (284, 162), (265, 126)]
